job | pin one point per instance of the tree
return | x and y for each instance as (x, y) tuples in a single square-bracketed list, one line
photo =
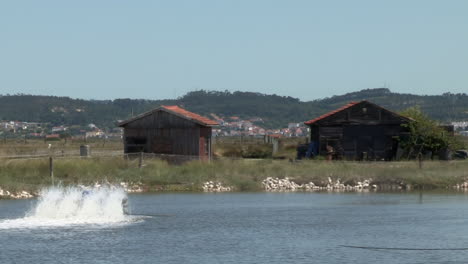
[(426, 135)]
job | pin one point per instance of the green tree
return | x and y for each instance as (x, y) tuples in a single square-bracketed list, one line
[(426, 135)]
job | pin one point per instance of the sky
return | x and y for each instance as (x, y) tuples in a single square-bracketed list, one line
[(306, 49)]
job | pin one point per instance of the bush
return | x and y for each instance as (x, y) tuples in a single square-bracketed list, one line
[(259, 151), (252, 151), (426, 135)]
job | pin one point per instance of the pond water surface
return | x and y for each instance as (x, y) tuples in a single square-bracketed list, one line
[(249, 228)]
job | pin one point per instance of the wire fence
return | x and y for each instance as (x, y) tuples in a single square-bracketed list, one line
[(64, 154), (140, 157), (247, 140)]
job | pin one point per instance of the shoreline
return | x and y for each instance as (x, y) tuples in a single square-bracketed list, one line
[(18, 176), (431, 191), (6, 195)]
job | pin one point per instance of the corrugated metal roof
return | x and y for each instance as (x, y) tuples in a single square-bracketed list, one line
[(189, 115), (310, 122), (179, 111)]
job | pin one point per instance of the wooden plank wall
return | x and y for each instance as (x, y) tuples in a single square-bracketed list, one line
[(166, 133), (363, 128), (351, 141)]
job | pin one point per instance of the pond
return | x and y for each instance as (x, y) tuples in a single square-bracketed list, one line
[(248, 228)]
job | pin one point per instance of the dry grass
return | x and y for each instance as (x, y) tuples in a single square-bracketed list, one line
[(244, 175), (21, 147)]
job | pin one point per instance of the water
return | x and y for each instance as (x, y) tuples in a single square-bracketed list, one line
[(242, 228)]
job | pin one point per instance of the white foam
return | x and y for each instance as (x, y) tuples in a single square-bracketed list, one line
[(58, 206)]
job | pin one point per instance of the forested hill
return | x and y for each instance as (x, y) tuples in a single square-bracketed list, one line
[(275, 110)]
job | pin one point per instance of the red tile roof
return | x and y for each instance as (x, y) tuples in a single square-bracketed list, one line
[(189, 115), (275, 135), (176, 111), (310, 122)]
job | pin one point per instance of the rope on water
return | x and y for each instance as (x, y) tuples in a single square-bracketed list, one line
[(397, 248)]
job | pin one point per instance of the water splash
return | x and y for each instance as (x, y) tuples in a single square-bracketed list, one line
[(60, 206)]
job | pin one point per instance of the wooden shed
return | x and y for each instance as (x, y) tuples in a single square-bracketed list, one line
[(358, 131), (168, 130)]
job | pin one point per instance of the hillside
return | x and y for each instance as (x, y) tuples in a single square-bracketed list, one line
[(276, 111)]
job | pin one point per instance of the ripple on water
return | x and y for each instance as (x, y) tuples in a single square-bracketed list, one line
[(32, 222)]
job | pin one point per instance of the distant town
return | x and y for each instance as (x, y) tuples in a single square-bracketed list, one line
[(235, 126), (461, 127), (229, 126), (46, 131)]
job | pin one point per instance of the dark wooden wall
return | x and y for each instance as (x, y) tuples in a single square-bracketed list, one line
[(363, 131), (165, 133)]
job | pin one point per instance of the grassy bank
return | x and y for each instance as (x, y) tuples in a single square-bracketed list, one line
[(244, 175)]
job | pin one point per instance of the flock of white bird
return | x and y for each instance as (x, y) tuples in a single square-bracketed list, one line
[(286, 184), (132, 187), (462, 186), (128, 188), (15, 195), (211, 186)]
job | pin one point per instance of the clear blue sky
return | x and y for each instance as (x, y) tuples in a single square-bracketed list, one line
[(106, 49)]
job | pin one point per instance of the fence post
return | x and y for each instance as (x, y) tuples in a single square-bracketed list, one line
[(275, 142), (420, 160), (140, 160), (51, 169)]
